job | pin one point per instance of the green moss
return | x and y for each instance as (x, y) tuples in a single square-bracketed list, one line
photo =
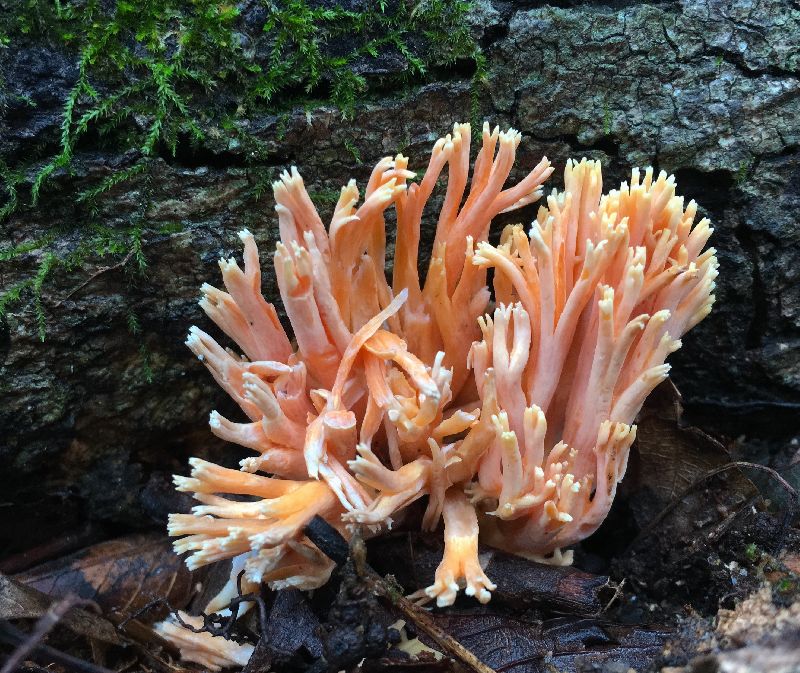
[(135, 328), (325, 197), (742, 173), (752, 553), (350, 147), (149, 72), (606, 119)]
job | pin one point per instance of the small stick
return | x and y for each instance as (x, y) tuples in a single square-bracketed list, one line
[(722, 527), (43, 626), (319, 530), (42, 653), (97, 273), (617, 594)]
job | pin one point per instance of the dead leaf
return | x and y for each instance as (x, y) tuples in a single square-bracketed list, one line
[(668, 457), (120, 575), (519, 645), (22, 602)]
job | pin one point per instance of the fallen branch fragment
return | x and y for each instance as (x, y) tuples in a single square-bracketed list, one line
[(412, 558), (18, 601), (292, 636)]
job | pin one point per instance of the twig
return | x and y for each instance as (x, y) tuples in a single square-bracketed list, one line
[(44, 653), (422, 621), (711, 473), (320, 529), (40, 630), (617, 594), (97, 273)]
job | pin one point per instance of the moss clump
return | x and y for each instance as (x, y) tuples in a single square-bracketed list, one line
[(752, 553), (154, 75)]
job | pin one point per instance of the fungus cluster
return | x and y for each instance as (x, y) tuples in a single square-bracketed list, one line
[(511, 411)]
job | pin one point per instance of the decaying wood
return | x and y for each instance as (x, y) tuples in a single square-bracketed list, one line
[(412, 558)]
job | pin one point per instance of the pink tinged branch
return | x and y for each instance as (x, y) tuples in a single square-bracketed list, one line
[(269, 341), (294, 271), (294, 564), (438, 483), (315, 449), (409, 217), (249, 435), (224, 367), (349, 242), (509, 366), (475, 217), (513, 475), (345, 486), (558, 332), (479, 438), (329, 311), (357, 343), (277, 428), (221, 528), (457, 144), (397, 488), (632, 398), (288, 515), (209, 478), (289, 383), (460, 565), (388, 346), (290, 194), (226, 314), (455, 312), (282, 462), (611, 452), (583, 181), (487, 255)]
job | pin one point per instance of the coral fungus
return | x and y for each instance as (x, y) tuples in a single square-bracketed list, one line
[(510, 410)]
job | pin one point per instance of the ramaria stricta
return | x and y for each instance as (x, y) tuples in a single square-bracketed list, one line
[(511, 410)]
